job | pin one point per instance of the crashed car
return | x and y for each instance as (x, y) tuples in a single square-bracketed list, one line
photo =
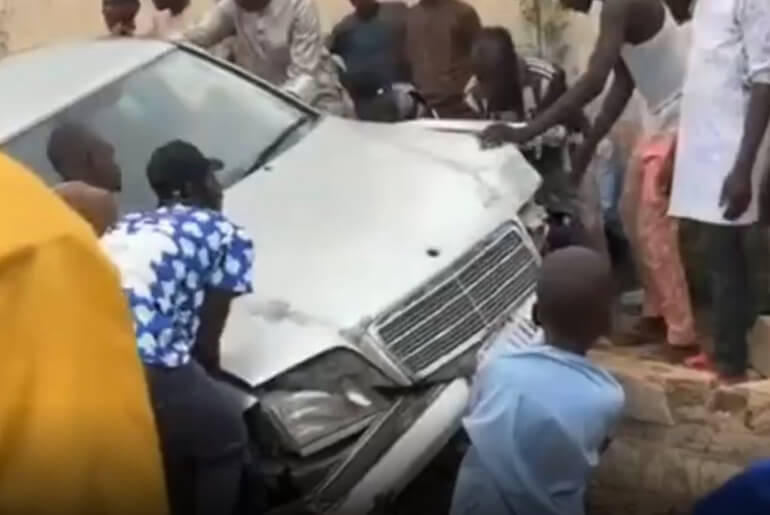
[(387, 256)]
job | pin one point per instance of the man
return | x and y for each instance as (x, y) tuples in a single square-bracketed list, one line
[(510, 87), (145, 18), (78, 154), (181, 266), (541, 414), (725, 112), (78, 432), (161, 18), (120, 16), (370, 41), (280, 41), (641, 44), (439, 38)]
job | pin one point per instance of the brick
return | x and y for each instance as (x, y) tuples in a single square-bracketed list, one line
[(657, 392), (759, 346)]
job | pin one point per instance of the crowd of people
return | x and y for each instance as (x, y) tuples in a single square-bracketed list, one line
[(533, 441)]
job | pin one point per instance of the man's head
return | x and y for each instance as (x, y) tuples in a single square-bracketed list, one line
[(582, 6), (253, 5), (119, 16), (574, 298), (77, 154), (496, 67), (179, 172), (364, 8), (175, 6)]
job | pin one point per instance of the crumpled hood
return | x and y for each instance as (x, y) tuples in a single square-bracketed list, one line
[(350, 220)]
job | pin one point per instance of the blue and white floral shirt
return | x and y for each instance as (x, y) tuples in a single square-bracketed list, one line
[(167, 259)]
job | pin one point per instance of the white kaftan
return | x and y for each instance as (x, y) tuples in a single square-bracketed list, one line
[(730, 51), (283, 44)]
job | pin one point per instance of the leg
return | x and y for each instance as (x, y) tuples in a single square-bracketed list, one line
[(731, 297), (203, 438), (658, 245)]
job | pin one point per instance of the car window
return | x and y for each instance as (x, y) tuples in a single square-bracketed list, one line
[(179, 96)]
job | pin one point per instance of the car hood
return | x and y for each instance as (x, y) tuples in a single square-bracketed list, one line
[(347, 222)]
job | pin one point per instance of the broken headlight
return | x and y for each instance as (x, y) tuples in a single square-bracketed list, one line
[(323, 402)]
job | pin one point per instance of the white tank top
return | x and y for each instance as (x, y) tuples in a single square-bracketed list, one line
[(659, 65)]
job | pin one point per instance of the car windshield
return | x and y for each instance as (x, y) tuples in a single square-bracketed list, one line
[(179, 96)]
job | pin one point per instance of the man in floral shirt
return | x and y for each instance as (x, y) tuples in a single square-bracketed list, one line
[(181, 265)]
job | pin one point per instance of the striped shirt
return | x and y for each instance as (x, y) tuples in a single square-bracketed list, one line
[(542, 83)]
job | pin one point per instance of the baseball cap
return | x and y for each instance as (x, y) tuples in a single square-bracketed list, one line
[(177, 164)]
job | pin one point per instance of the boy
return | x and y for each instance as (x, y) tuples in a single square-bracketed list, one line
[(541, 414)]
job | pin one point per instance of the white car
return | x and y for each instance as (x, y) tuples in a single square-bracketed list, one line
[(386, 255)]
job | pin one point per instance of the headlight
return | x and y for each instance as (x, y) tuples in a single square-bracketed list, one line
[(322, 411)]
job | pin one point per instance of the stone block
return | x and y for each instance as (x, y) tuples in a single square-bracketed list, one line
[(759, 346), (657, 392)]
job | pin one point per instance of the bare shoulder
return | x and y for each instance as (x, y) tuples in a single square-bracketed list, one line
[(638, 19), (617, 11)]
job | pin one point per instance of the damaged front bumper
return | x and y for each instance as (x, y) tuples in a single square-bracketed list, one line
[(390, 453)]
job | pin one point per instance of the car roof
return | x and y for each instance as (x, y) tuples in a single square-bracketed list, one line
[(35, 84)]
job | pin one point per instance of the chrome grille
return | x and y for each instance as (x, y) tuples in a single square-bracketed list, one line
[(461, 306)]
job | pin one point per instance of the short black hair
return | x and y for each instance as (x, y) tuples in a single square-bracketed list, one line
[(67, 140), (175, 166), (574, 295), (119, 2)]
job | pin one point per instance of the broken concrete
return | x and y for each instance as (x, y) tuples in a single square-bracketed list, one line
[(683, 435), (759, 346)]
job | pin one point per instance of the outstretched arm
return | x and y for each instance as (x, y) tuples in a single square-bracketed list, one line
[(215, 27), (603, 60), (620, 92)]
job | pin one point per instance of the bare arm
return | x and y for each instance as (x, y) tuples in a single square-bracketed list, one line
[(214, 313), (306, 43), (754, 20), (616, 101), (215, 27), (604, 59)]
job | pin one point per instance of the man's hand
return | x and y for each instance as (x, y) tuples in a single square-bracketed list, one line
[(500, 133), (736, 192)]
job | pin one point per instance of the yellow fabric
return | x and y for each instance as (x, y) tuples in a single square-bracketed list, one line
[(77, 434)]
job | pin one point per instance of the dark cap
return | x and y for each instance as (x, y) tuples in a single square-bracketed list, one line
[(177, 164)]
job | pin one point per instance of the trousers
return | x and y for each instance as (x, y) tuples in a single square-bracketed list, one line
[(654, 236), (731, 269), (203, 439)]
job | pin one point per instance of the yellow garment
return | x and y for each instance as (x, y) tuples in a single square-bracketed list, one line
[(77, 434)]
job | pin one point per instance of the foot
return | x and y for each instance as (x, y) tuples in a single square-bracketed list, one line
[(703, 362), (700, 361), (644, 330)]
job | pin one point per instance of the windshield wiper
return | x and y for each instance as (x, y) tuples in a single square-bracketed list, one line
[(273, 147)]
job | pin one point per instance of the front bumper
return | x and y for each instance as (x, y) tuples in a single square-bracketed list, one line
[(410, 452)]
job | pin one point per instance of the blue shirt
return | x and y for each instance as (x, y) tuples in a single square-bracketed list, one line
[(538, 419), (168, 259)]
